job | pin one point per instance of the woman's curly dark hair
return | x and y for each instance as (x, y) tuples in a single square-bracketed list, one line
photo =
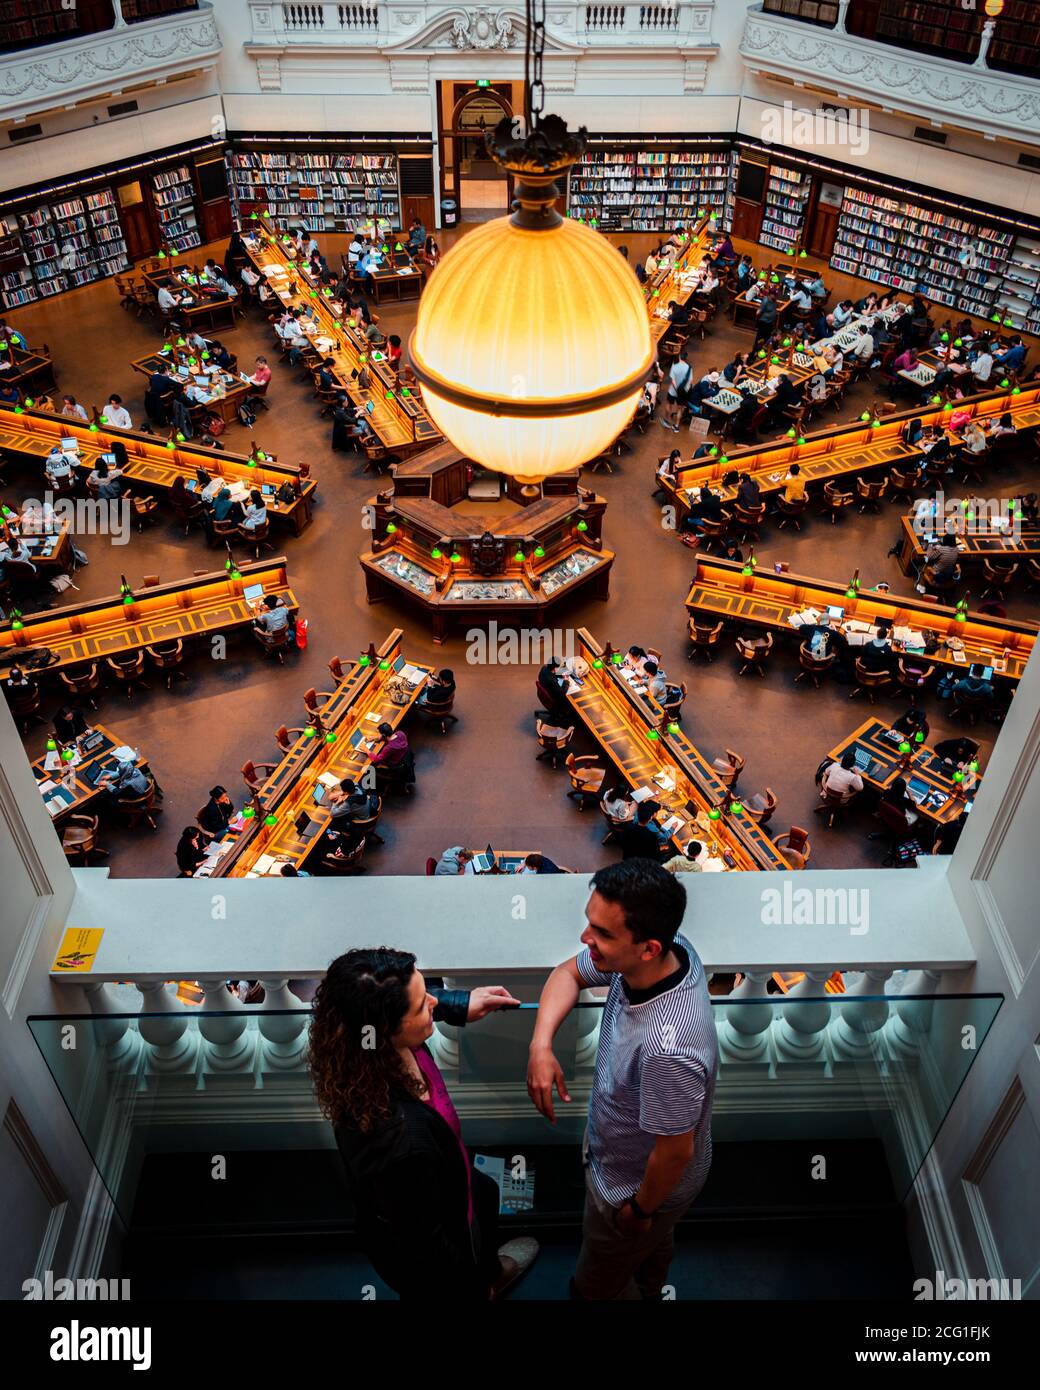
[(358, 1008)]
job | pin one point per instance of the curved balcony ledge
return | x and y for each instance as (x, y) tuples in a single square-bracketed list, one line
[(974, 98), (38, 79)]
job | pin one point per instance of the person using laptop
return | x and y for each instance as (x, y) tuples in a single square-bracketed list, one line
[(912, 723), (898, 798), (391, 754), (125, 779), (190, 851), (877, 654), (349, 802), (973, 689), (69, 723), (644, 838), (58, 467), (116, 414), (957, 752), (539, 864), (273, 616), (841, 778), (255, 512), (455, 861)]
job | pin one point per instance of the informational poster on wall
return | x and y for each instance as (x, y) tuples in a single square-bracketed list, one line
[(831, 194)]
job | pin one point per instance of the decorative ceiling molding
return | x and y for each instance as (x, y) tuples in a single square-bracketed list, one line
[(973, 98), (85, 67)]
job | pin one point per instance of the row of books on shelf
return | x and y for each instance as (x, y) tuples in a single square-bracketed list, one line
[(308, 160)]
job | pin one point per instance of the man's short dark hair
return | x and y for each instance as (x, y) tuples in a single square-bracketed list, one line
[(652, 900)]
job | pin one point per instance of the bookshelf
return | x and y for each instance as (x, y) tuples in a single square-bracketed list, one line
[(25, 23), (912, 247), (16, 278), (641, 190), (1018, 298), (173, 192), (134, 10), (787, 192), (43, 251), (67, 244), (324, 191)]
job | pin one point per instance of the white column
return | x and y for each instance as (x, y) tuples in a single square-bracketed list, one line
[(230, 1042), (839, 27), (118, 22), (855, 1030), (987, 38), (744, 1035), (284, 1036), (800, 1032), (173, 1042)]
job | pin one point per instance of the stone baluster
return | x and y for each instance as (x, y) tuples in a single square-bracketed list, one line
[(800, 1031), (856, 1028), (122, 1043), (744, 1031), (987, 38), (839, 27), (284, 1044), (911, 1019), (587, 1044), (173, 1043), (230, 1041)]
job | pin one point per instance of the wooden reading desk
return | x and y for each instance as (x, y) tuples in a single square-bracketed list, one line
[(843, 451), (397, 417), (938, 797), (977, 540), (201, 606), (764, 599), (186, 369), (336, 749), (630, 727), (48, 538), (213, 311), (675, 286), (93, 757), (156, 463), (27, 368)]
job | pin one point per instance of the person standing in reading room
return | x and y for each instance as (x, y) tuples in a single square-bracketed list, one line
[(427, 1219), (647, 1148)]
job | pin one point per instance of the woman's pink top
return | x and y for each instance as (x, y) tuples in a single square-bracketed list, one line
[(441, 1102)]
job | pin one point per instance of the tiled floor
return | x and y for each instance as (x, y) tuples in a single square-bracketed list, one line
[(481, 782)]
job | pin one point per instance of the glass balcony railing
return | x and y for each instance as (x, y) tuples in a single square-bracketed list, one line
[(881, 1069)]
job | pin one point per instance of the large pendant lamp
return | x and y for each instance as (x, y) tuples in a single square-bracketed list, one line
[(532, 342)]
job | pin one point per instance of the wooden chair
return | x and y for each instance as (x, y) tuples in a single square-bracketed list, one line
[(223, 530), (367, 827), (314, 701), (791, 512), (554, 740), (895, 831), (970, 706), (729, 768), (754, 653), (586, 778), (1033, 575), (748, 520), (168, 658), (614, 824), (998, 578), (431, 866), (139, 808), (813, 667), (673, 708), (795, 846), (870, 493), (275, 642), (79, 838), (832, 806), (903, 483), (190, 513), (913, 676), (339, 671), (704, 639), (870, 681), (25, 706), (255, 537), (761, 806), (348, 863), (143, 510), (251, 775), (712, 531), (931, 580), (128, 671), (83, 684), (286, 737), (437, 713)]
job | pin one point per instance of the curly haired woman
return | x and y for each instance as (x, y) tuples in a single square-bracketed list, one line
[(426, 1219)]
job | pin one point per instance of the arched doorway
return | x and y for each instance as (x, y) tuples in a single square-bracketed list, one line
[(477, 185)]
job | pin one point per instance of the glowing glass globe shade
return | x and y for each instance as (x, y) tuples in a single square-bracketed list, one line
[(541, 320)]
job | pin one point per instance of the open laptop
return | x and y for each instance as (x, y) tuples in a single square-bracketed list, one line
[(867, 764), (94, 771), (252, 592), (917, 790), (836, 613), (318, 795), (484, 863), (980, 673), (305, 827)]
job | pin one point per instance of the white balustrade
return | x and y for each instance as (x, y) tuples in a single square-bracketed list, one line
[(745, 1029), (284, 1036), (800, 1030), (854, 1030), (166, 1026), (230, 1044), (112, 1029), (912, 1018)]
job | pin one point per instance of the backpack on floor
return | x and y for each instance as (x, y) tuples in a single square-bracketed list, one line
[(247, 415)]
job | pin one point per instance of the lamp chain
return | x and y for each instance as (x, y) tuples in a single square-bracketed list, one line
[(534, 47)]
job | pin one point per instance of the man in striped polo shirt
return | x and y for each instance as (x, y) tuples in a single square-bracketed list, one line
[(648, 1142)]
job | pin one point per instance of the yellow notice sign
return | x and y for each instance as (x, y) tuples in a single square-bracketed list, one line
[(78, 948)]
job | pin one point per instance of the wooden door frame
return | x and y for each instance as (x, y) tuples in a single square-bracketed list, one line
[(455, 132)]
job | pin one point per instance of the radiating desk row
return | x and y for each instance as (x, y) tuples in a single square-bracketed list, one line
[(663, 759), (201, 606), (723, 589), (930, 782), (158, 463)]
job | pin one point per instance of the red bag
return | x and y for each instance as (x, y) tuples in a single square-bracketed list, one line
[(301, 634), (215, 425)]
